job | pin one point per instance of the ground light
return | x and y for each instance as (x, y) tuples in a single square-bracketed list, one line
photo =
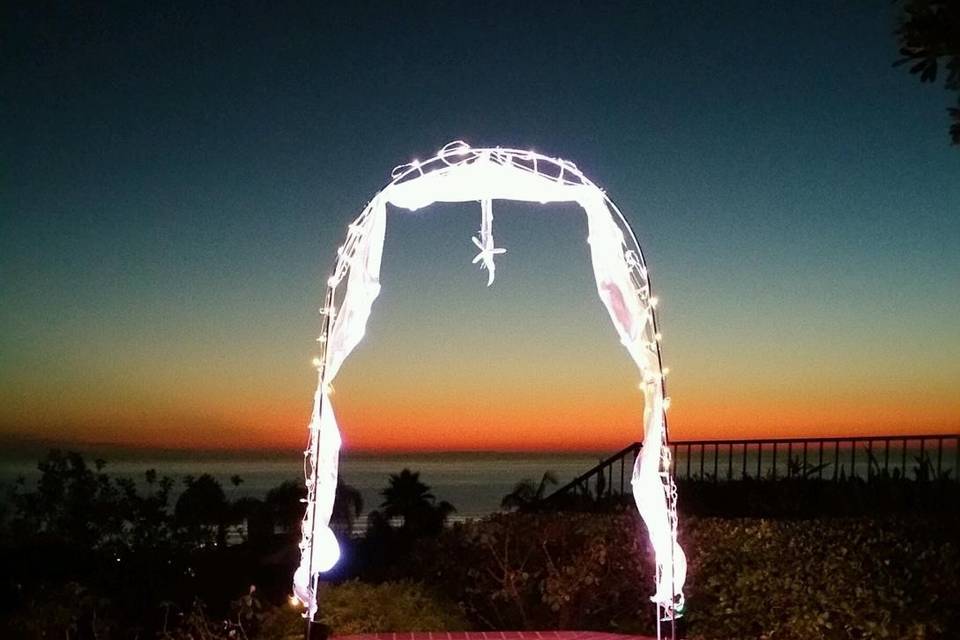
[(460, 173)]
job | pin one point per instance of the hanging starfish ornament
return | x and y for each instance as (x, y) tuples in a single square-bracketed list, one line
[(485, 241), (487, 251)]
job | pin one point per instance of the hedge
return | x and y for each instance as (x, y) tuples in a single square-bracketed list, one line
[(826, 578)]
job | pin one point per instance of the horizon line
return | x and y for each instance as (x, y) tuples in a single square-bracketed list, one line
[(12, 442)]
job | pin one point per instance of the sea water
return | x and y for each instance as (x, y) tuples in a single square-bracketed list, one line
[(474, 483)]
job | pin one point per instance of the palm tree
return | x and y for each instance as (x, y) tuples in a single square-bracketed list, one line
[(438, 517), (202, 509), (406, 495), (525, 493), (284, 504), (409, 498)]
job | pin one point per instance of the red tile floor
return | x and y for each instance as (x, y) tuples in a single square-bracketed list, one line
[(494, 635)]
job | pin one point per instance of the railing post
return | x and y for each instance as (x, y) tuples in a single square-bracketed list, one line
[(716, 462), (836, 459), (903, 461), (939, 456), (956, 459), (621, 474), (853, 458), (886, 457)]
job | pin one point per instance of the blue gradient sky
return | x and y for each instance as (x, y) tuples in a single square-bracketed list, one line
[(175, 183)]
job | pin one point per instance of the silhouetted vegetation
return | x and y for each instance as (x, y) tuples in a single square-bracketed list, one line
[(748, 578), (410, 500), (929, 38), (87, 555), (526, 493), (409, 512)]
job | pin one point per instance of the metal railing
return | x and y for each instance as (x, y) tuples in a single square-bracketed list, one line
[(918, 458), (921, 457), (599, 480)]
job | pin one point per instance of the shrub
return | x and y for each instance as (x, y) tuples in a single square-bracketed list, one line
[(543, 571), (71, 610), (841, 578), (357, 607), (348, 608), (891, 578)]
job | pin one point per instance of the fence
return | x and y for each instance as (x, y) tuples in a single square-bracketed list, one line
[(919, 458)]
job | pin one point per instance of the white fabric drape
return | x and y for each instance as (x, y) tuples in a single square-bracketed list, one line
[(363, 287), (319, 551), (489, 177)]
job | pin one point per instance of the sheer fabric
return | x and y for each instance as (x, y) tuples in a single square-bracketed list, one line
[(461, 174)]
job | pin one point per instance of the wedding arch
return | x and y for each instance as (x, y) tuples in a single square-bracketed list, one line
[(459, 173)]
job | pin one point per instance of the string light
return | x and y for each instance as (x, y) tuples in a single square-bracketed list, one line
[(459, 173)]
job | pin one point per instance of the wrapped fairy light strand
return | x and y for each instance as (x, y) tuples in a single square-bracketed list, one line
[(459, 173)]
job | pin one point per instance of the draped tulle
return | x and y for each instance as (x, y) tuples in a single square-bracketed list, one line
[(461, 174)]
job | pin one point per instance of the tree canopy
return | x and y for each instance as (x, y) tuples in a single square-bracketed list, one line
[(929, 37)]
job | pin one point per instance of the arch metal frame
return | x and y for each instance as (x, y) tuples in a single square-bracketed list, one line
[(617, 257)]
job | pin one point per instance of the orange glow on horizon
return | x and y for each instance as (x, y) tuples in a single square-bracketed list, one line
[(447, 426)]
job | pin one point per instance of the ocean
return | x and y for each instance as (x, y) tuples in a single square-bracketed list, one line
[(473, 482)]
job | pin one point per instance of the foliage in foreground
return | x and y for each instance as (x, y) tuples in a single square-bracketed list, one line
[(749, 578), (828, 578), (348, 608), (823, 579), (358, 607), (90, 556), (542, 571)]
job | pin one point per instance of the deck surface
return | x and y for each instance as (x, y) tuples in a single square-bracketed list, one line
[(493, 635)]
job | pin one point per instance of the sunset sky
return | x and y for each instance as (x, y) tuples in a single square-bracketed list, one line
[(174, 185)]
